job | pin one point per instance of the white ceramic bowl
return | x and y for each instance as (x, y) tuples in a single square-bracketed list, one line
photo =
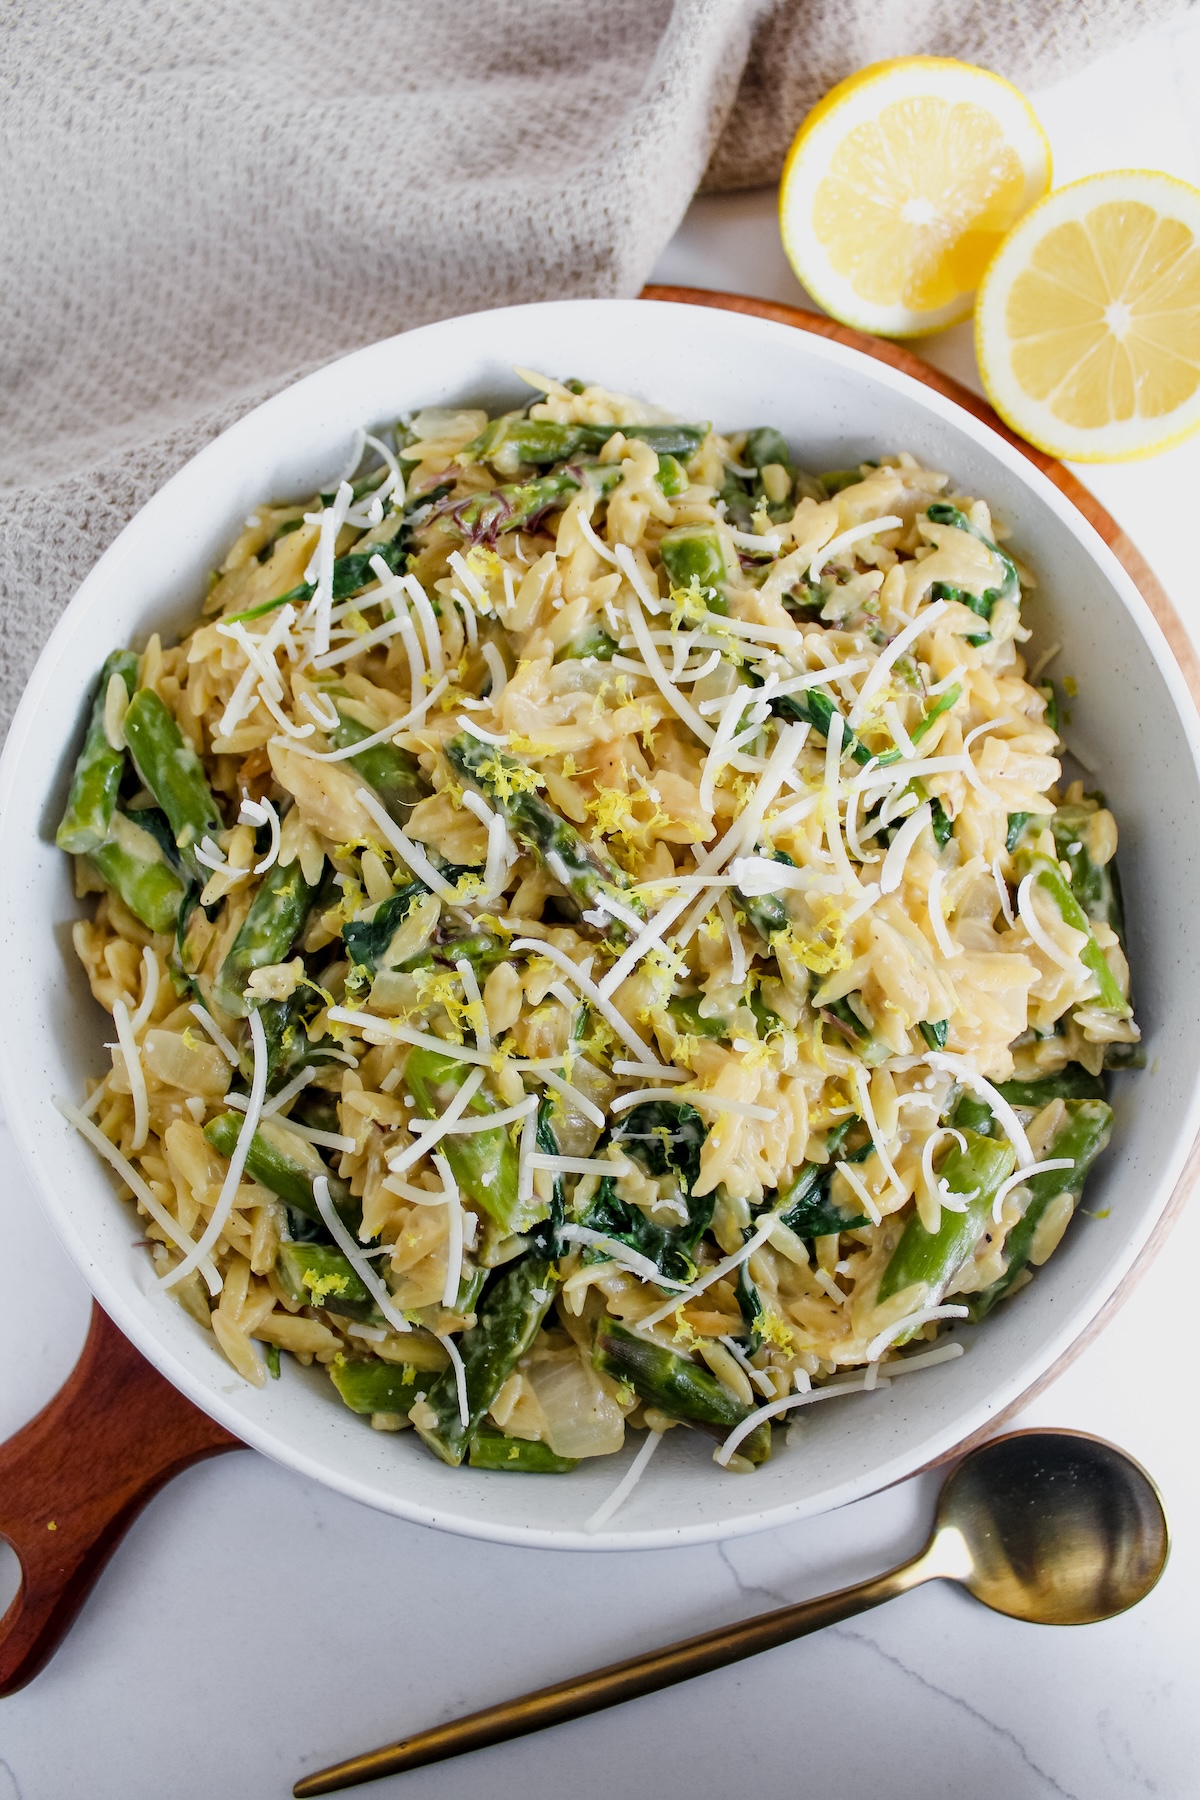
[(1133, 722)]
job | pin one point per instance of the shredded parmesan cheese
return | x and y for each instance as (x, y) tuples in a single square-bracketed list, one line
[(959, 1067), (853, 535), (622, 1253), (131, 1056), (717, 1273), (142, 1191), (409, 852), (886, 660), (666, 687), (913, 1322), (591, 993), (937, 917), (436, 1128), (1021, 1176), (627, 1483), (454, 1234), (460, 1375), (356, 1257), (900, 848), (1037, 931)]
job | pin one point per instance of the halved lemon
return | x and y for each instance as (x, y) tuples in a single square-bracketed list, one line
[(1088, 325), (900, 185)]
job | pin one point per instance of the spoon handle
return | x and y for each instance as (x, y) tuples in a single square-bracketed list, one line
[(620, 1681)]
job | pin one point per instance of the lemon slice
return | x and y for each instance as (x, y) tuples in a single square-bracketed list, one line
[(1088, 327), (900, 185)]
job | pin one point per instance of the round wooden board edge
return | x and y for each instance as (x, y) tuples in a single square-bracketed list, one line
[(1173, 629)]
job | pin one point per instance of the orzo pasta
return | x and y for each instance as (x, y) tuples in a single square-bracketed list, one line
[(594, 933)]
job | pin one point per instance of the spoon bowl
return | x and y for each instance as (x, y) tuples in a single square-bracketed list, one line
[(1058, 1528)]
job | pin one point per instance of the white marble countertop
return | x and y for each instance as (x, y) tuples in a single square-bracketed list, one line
[(254, 1626)]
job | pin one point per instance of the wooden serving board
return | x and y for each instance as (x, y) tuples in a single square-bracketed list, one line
[(75, 1478)]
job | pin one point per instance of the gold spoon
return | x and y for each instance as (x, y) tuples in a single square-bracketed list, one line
[(1055, 1527)]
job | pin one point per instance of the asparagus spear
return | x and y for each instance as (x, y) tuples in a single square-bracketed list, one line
[(484, 1163), (507, 1320), (592, 641), (1050, 878), (97, 778), (319, 1275), (517, 505), (490, 1449), (764, 447), (395, 774), (1082, 1136), (942, 704), (692, 553), (316, 1274), (514, 439), (592, 880), (372, 1385), (666, 440), (482, 949), (174, 774), (929, 1260), (672, 477), (973, 1114), (1072, 1083), (745, 495), (677, 1386), (834, 480), (289, 1173), (133, 863), (267, 933), (1092, 883)]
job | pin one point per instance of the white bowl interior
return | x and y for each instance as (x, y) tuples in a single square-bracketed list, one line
[(1133, 722)]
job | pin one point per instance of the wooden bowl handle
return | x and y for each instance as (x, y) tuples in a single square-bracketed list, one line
[(74, 1479)]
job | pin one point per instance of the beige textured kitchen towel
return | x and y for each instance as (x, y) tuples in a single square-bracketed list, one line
[(201, 200)]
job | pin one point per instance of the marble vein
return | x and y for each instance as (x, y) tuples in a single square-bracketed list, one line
[(956, 1700), (750, 1588)]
